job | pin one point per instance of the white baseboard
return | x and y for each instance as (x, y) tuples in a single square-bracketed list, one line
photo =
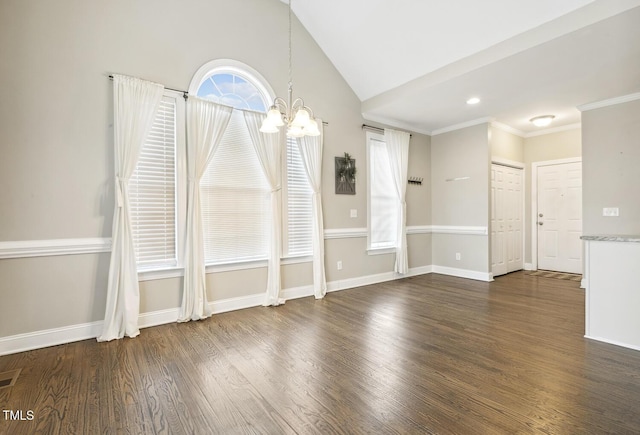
[(49, 337), (528, 266), (583, 283), (296, 292), (85, 331), (67, 334), (154, 318), (360, 281), (420, 270), (616, 343), (240, 303), (463, 273)]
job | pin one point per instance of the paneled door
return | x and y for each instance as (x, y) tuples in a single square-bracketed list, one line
[(507, 225), (559, 218)]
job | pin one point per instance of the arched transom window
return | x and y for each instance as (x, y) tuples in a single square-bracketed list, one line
[(232, 90)]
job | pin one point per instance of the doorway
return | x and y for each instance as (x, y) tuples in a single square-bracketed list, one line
[(507, 223), (557, 215)]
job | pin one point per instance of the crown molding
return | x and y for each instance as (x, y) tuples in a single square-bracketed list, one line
[(486, 120), (567, 127), (508, 129), (395, 123), (609, 102)]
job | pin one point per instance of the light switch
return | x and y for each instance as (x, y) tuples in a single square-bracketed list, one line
[(354, 213), (610, 211)]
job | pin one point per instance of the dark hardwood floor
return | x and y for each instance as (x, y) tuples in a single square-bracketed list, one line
[(427, 354)]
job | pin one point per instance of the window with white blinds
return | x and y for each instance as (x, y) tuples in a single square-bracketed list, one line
[(152, 193), (298, 204), (383, 213), (235, 199)]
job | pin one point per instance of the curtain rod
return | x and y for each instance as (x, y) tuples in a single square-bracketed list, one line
[(185, 94), (377, 129)]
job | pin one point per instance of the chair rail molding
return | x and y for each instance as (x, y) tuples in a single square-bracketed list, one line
[(46, 248), (347, 233), (460, 229)]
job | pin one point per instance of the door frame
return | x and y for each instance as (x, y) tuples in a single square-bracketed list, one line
[(516, 165), (534, 202)]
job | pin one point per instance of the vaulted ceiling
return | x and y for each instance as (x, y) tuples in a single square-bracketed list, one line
[(415, 63)]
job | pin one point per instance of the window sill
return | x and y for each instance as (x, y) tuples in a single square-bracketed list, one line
[(151, 275), (177, 272), (236, 265), (381, 251), (296, 260)]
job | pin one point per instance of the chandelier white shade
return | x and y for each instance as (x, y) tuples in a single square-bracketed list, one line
[(293, 113)]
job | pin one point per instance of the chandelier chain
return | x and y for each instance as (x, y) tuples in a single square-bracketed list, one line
[(294, 114), (290, 55)]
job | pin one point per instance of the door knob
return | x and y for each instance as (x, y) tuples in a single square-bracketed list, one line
[(540, 215), (540, 223)]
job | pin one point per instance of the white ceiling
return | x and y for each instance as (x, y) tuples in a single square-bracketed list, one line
[(414, 63)]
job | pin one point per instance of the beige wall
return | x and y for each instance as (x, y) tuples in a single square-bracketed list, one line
[(506, 145), (553, 146), (419, 196), (610, 160), (461, 153), (56, 140)]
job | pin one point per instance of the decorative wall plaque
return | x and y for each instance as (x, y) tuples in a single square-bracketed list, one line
[(345, 175)]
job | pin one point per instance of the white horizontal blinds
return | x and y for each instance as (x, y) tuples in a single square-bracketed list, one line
[(299, 214), (383, 200), (235, 199), (152, 193)]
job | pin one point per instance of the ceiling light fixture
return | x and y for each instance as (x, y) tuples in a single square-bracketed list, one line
[(542, 121), (297, 117), (473, 100)]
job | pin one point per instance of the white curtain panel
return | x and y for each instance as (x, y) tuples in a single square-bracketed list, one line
[(135, 103), (397, 143), (311, 152), (206, 124), (268, 147)]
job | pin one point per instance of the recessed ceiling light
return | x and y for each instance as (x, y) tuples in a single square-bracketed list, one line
[(474, 100), (542, 121)]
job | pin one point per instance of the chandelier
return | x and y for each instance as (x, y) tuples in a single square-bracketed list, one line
[(293, 113)]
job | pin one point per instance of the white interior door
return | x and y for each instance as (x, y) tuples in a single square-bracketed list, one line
[(498, 262), (514, 219), (507, 225), (559, 218)]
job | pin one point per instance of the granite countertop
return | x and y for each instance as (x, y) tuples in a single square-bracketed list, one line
[(613, 238)]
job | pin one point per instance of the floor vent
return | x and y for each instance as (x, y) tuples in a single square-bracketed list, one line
[(8, 379)]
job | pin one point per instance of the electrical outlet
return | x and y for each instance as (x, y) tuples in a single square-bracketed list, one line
[(354, 213), (458, 256), (610, 211), (339, 265)]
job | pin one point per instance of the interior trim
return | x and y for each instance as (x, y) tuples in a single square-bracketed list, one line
[(52, 247), (46, 248), (609, 102), (462, 230), (344, 233)]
